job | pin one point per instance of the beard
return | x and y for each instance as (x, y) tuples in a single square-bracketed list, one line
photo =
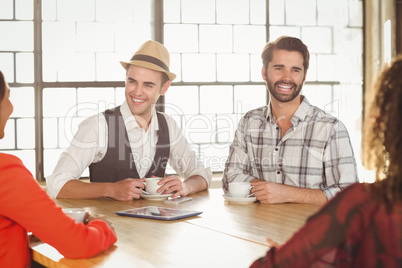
[(284, 97)]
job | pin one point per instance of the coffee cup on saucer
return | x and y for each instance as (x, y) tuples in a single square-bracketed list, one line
[(78, 214), (152, 186), (239, 189)]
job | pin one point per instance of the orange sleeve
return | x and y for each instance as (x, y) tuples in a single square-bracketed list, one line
[(29, 206)]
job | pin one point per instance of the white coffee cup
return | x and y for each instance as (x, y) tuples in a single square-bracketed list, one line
[(78, 214), (151, 185), (239, 189)]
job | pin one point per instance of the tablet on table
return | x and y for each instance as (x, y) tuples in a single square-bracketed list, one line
[(158, 213)]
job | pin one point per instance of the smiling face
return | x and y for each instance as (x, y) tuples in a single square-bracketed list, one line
[(285, 75), (143, 88)]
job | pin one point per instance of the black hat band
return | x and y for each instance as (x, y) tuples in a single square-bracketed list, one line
[(151, 60)]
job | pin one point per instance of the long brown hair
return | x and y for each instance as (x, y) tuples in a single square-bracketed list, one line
[(384, 134)]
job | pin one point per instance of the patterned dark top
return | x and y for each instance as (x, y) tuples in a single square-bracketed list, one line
[(352, 230)]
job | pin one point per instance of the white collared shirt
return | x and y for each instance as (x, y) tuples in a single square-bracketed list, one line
[(90, 145)]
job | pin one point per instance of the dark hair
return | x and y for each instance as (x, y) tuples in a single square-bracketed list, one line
[(2, 86), (384, 133), (286, 43)]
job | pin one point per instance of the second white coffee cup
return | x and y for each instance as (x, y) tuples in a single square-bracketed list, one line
[(239, 189), (78, 214)]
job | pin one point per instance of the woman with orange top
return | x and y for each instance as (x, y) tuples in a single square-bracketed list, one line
[(24, 207)]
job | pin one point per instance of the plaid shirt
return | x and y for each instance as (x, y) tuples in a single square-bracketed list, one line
[(314, 153)]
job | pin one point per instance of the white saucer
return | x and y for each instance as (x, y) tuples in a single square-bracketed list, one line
[(155, 196), (240, 200)]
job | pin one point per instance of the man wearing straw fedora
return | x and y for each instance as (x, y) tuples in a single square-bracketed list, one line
[(133, 141)]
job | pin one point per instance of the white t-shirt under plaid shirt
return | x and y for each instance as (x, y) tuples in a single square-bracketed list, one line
[(315, 152)]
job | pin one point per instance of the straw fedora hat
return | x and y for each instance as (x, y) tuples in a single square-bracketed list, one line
[(152, 55)]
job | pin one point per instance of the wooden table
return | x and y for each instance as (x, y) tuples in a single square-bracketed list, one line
[(224, 235)]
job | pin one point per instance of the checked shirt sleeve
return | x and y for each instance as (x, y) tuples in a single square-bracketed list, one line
[(339, 162), (238, 162)]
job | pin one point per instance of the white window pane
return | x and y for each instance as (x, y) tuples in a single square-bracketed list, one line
[(58, 36), (182, 100), (8, 142), (108, 67), (233, 67), (216, 99), (247, 98), (195, 11), (198, 128), (19, 36), (318, 39), (116, 10), (175, 65), (23, 101), (51, 134), (76, 67), (301, 12), (26, 133), (50, 67), (6, 10), (327, 67), (249, 39), (346, 96), (320, 96), (257, 11), (130, 36), (174, 40), (171, 11), (356, 13), (120, 95), (216, 38), (49, 10), (7, 66), (59, 102), (68, 10), (142, 11), (95, 37), (277, 31), (214, 156), (230, 13), (226, 127), (256, 65), (94, 100), (277, 12), (25, 67), (331, 12), (24, 9), (199, 67), (312, 69), (350, 49)]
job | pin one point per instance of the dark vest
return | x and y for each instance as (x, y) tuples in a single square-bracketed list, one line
[(118, 163)]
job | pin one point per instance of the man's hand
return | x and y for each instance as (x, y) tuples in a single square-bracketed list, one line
[(271, 192), (274, 193), (127, 189), (173, 184)]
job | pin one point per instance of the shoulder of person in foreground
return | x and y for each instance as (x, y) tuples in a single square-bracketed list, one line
[(30, 207)]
